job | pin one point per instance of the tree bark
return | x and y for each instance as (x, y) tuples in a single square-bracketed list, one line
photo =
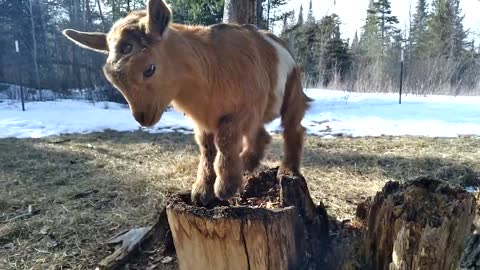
[(88, 15), (104, 27), (268, 14), (114, 10), (420, 225), (240, 11), (274, 224), (293, 235), (259, 11), (35, 50)]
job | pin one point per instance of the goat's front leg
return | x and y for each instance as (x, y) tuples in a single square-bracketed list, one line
[(202, 190), (228, 165), (255, 148)]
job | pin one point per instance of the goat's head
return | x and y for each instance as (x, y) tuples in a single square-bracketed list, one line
[(136, 64)]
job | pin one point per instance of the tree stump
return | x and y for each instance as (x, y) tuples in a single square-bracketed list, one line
[(422, 224), (272, 225)]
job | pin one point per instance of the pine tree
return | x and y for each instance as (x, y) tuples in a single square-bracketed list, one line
[(335, 57), (293, 21), (370, 39), (300, 16), (274, 6), (310, 17), (418, 31), (204, 12), (355, 47), (382, 11), (445, 33), (459, 35)]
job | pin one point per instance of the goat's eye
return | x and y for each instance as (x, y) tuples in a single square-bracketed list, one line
[(149, 71), (126, 48)]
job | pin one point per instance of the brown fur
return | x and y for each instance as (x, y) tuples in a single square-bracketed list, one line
[(223, 77)]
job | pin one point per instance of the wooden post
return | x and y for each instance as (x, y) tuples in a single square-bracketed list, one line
[(17, 49), (420, 225), (401, 79), (246, 236)]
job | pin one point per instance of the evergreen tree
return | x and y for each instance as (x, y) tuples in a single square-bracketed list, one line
[(385, 23), (445, 33), (355, 47), (274, 6), (418, 39), (370, 40), (310, 17), (300, 16), (293, 21), (205, 12), (335, 57), (320, 50)]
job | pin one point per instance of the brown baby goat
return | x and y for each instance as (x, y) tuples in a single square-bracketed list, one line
[(230, 80)]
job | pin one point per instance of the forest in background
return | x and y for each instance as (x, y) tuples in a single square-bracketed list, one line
[(440, 56)]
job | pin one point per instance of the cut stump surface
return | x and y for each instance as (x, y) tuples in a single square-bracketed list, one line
[(272, 225)]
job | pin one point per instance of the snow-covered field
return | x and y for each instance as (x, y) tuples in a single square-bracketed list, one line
[(332, 113)]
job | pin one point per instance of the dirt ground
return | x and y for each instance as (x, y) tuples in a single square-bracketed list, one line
[(83, 189)]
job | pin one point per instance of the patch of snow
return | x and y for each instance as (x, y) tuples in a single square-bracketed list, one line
[(332, 114), (472, 189), (73, 116)]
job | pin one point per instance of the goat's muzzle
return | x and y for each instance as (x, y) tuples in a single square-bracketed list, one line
[(147, 118)]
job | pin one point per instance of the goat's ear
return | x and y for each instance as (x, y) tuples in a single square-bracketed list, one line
[(90, 40), (159, 17)]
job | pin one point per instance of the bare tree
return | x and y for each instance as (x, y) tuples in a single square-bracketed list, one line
[(35, 49), (104, 27)]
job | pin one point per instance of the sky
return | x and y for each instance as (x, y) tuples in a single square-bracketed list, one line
[(353, 13)]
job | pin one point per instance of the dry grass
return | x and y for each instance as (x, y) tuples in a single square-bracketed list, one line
[(89, 187)]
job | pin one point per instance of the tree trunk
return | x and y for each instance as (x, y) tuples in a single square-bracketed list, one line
[(87, 15), (420, 225), (114, 10), (246, 236), (268, 14), (240, 11), (35, 52), (75, 21), (274, 224), (260, 23), (104, 27)]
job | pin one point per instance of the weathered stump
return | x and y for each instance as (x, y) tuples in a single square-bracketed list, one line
[(471, 255), (272, 225), (422, 224)]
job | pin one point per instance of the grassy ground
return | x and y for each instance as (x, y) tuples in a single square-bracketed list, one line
[(90, 187)]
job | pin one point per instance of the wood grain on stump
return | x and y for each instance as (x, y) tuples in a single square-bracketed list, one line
[(419, 225), (272, 225)]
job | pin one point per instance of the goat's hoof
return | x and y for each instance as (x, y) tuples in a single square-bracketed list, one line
[(226, 190), (202, 194), (286, 171)]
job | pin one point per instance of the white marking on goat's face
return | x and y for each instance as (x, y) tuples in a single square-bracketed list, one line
[(285, 66)]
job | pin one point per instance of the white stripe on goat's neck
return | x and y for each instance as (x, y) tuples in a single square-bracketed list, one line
[(285, 66)]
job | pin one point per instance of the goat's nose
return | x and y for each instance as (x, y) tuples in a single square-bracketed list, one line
[(140, 117)]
